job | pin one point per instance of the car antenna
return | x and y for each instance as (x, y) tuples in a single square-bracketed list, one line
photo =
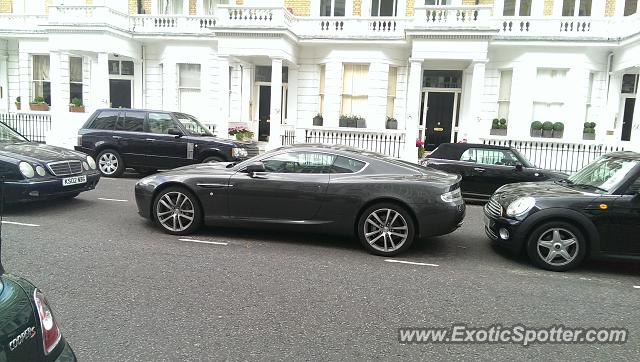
[(1, 219)]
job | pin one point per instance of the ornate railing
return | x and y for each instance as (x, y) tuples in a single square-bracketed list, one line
[(389, 143), (557, 156), (33, 126), (288, 135)]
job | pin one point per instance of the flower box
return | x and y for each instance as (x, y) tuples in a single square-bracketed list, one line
[(498, 132), (588, 136), (76, 109), (17, 106), (536, 133), (41, 107)]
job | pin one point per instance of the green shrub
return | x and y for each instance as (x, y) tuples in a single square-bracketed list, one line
[(495, 123), (38, 100), (536, 125), (547, 126), (589, 130), (592, 124), (503, 122), (18, 100), (558, 126), (77, 102)]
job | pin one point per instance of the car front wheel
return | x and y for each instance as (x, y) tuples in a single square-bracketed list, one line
[(557, 246), (110, 163), (177, 211), (386, 229)]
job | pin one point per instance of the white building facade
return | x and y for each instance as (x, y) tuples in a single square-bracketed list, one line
[(381, 73)]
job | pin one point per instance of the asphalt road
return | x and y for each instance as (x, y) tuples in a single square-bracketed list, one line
[(122, 290)]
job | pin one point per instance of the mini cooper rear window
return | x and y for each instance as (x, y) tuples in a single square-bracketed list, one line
[(105, 120)]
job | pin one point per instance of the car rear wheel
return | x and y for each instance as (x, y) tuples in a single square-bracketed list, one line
[(386, 229), (177, 211), (110, 163), (557, 246), (212, 159)]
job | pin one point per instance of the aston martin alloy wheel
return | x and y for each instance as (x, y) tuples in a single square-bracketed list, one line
[(110, 163), (556, 246), (386, 229), (177, 211)]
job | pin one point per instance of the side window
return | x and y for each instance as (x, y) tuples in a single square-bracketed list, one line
[(132, 122), (106, 120), (299, 162), (346, 165), (469, 155), (160, 123), (490, 157), (634, 188)]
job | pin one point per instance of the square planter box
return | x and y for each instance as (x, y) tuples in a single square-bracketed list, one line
[(343, 123), (392, 124), (39, 106), (317, 121), (589, 136), (352, 123), (558, 134), (498, 132), (536, 133), (76, 109), (18, 105), (547, 134), (361, 123)]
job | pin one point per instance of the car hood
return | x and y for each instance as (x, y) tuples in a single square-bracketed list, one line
[(539, 190), (37, 152)]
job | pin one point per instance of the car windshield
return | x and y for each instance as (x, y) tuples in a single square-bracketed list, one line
[(525, 161), (192, 125), (603, 174), (7, 135)]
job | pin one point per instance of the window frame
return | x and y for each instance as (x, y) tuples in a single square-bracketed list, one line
[(122, 117), (323, 73), (81, 82), (395, 8), (487, 150), (364, 97), (42, 82), (577, 6), (391, 96), (333, 8), (629, 10), (517, 8), (184, 88), (504, 103), (147, 128)]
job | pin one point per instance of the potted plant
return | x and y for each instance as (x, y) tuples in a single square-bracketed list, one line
[(547, 129), (498, 127), (536, 129), (241, 133), (39, 104), (558, 130), (317, 120), (392, 123), (18, 103), (420, 145), (352, 121), (76, 106), (343, 121), (360, 122), (589, 131)]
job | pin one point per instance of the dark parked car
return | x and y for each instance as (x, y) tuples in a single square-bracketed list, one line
[(28, 330), (387, 203), (151, 140), (484, 168), (35, 171), (595, 212)]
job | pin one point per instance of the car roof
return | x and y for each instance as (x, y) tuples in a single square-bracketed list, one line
[(136, 110), (628, 155), (453, 151)]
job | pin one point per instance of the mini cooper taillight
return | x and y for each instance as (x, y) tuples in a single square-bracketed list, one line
[(50, 332)]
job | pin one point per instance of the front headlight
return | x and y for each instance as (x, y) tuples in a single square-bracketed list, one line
[(239, 152), (26, 169), (452, 196), (40, 170), (520, 206), (91, 162), (85, 165)]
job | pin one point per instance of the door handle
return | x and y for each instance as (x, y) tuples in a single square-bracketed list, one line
[(150, 139), (479, 169), (116, 137)]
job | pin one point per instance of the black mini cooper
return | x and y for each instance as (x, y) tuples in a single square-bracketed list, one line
[(595, 212), (34, 171)]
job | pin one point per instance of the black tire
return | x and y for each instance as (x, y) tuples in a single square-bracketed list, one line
[(374, 238), (212, 159), (544, 233), (180, 229), (108, 162)]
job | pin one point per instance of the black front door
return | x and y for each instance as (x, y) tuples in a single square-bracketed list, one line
[(120, 93), (264, 111), (439, 119), (627, 118)]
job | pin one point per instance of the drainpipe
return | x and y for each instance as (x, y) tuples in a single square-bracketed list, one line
[(609, 65), (144, 97)]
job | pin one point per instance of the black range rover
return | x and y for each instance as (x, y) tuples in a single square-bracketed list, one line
[(150, 140)]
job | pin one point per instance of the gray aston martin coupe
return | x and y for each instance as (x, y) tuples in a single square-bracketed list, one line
[(387, 203)]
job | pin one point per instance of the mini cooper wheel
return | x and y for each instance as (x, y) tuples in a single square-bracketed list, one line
[(557, 246), (386, 229), (110, 163), (177, 211)]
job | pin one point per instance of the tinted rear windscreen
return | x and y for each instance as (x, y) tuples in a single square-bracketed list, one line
[(105, 120)]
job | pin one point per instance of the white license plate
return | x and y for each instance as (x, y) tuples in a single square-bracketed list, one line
[(74, 180)]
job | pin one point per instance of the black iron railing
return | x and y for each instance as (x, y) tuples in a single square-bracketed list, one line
[(390, 144), (288, 136), (33, 126), (562, 157)]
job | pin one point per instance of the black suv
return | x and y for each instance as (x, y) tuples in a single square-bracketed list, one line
[(149, 140), (595, 212)]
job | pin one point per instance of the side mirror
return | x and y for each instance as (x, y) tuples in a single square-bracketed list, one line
[(519, 167), (175, 132), (255, 167)]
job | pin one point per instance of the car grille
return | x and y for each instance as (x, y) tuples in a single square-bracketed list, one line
[(252, 151), (65, 168), (494, 208)]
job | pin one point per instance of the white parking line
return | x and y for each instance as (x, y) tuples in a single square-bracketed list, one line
[(19, 223), (205, 242), (637, 286), (409, 262), (116, 200)]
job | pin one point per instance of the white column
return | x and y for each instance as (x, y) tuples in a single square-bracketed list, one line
[(24, 64), (332, 93), (138, 96), (612, 118), (471, 122), (377, 102), (276, 100), (521, 105), (557, 8), (59, 80), (100, 81), (200, 7), (245, 115), (292, 102), (4, 83), (414, 87), (222, 124), (576, 104)]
